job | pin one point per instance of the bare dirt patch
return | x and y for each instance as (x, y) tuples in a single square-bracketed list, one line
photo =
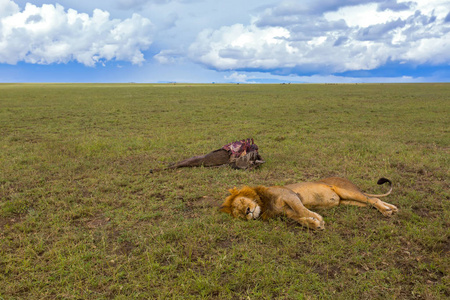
[(9, 221), (98, 222)]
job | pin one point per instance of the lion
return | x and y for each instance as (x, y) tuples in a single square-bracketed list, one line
[(295, 200)]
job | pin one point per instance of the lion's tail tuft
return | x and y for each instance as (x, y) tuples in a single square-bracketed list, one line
[(381, 181)]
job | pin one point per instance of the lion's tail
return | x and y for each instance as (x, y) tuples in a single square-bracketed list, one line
[(380, 182)]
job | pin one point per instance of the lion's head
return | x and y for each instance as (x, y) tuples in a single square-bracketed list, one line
[(242, 204)]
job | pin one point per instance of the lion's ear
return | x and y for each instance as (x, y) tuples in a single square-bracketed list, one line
[(226, 206), (225, 209), (233, 191)]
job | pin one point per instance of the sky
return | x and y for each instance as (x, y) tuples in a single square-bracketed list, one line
[(232, 41)]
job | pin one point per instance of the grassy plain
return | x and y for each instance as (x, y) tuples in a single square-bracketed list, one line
[(82, 218)]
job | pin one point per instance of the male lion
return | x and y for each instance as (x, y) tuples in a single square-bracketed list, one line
[(293, 200)]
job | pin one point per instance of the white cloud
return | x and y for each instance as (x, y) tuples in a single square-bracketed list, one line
[(169, 57), (439, 7), (250, 47), (231, 46), (8, 8), (237, 77), (324, 38), (365, 15), (433, 51), (49, 34), (261, 77)]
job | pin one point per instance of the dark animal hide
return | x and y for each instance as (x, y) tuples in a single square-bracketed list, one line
[(239, 155)]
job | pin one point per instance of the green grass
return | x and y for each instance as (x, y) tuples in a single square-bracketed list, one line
[(82, 218)]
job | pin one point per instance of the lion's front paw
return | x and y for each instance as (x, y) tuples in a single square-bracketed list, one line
[(315, 224), (387, 213), (321, 226)]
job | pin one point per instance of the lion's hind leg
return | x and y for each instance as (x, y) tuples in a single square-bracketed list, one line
[(387, 209), (351, 202), (352, 196)]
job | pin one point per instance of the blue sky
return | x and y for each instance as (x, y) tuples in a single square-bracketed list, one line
[(249, 41)]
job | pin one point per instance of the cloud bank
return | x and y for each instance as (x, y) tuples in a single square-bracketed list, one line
[(324, 37), (236, 41), (49, 34)]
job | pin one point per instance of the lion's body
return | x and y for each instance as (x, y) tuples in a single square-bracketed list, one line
[(295, 200)]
